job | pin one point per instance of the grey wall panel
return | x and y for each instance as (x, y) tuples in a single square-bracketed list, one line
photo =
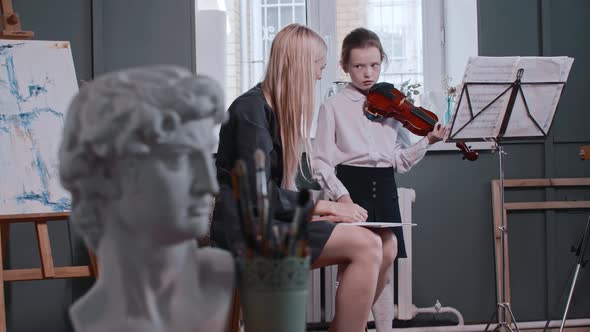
[(514, 24), (61, 20), (567, 163), (528, 284), (567, 20), (138, 32)]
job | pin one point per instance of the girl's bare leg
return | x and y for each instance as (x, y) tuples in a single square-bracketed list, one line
[(383, 305), (361, 251)]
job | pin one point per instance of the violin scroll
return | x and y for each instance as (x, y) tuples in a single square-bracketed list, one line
[(467, 152)]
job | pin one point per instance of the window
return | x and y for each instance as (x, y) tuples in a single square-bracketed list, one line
[(273, 16), (399, 26), (254, 24)]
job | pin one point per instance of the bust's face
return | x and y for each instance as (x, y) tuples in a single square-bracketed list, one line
[(168, 194)]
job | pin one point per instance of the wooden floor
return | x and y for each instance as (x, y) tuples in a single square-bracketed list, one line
[(570, 329)]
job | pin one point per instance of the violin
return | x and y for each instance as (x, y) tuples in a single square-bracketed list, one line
[(384, 100)]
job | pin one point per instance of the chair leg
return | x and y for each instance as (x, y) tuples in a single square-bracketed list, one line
[(3, 237)]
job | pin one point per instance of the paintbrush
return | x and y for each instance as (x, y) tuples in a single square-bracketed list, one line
[(261, 195), (299, 216), (245, 203)]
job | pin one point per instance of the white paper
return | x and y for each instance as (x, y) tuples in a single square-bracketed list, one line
[(378, 224), (483, 119)]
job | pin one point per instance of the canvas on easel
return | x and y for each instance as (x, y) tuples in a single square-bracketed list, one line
[(492, 106), (37, 83)]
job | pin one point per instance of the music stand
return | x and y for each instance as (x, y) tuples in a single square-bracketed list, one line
[(507, 98)]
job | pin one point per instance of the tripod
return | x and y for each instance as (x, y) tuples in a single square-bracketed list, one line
[(502, 305), (580, 251)]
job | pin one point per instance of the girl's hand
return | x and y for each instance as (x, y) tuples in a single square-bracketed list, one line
[(350, 210), (331, 218), (437, 134), (345, 199), (339, 212)]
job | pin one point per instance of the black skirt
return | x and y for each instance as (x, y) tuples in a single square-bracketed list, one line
[(226, 233), (375, 190)]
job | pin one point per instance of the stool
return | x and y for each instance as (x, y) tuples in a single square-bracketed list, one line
[(47, 269)]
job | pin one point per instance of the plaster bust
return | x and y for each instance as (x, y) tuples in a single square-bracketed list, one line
[(136, 157)]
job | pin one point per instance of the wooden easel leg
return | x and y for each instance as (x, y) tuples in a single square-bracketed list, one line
[(45, 249), (4, 232), (234, 313), (2, 304), (93, 264)]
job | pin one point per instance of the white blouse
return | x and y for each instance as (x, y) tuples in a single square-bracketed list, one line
[(346, 136)]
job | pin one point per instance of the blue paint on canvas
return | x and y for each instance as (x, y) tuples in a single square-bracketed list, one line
[(37, 82), (36, 89)]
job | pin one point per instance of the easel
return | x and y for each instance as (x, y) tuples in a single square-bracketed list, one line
[(509, 207), (497, 130), (11, 28), (47, 270)]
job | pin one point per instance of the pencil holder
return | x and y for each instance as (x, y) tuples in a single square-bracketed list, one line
[(273, 293)]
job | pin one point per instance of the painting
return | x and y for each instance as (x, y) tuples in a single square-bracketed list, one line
[(37, 83)]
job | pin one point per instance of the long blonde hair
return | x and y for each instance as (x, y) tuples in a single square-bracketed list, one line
[(289, 88)]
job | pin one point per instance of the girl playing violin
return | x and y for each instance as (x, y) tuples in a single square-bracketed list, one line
[(356, 155)]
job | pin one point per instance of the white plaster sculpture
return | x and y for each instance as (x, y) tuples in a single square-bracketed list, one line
[(136, 156)]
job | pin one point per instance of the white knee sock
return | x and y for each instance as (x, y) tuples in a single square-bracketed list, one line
[(383, 307)]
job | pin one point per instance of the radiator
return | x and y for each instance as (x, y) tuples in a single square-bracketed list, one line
[(320, 301)]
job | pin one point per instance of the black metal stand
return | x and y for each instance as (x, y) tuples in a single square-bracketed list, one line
[(515, 90), (581, 263), (499, 137), (580, 251), (502, 305)]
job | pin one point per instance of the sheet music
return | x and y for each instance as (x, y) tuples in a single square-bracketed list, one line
[(486, 112), (489, 102), (378, 224), (542, 100)]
